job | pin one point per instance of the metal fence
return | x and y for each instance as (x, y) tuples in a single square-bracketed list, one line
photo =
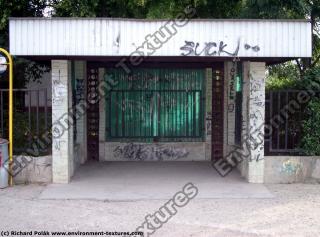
[(31, 114), (156, 114), (287, 114), (156, 104)]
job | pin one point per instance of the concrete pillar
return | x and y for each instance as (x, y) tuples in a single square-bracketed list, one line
[(254, 136), (81, 98), (62, 130), (229, 103)]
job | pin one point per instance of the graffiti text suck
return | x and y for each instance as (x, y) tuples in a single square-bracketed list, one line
[(218, 48)]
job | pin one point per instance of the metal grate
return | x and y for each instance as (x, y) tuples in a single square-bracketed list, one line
[(31, 116), (283, 135), (156, 104), (92, 112), (217, 114)]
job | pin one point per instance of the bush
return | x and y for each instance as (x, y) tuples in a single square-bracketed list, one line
[(311, 128), (282, 76), (311, 77)]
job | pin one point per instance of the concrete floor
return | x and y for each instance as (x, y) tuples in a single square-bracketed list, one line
[(132, 181)]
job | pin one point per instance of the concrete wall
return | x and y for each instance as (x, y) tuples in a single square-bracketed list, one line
[(166, 151), (277, 169), (292, 169), (256, 120), (38, 170), (169, 151), (229, 112), (253, 116), (67, 151), (62, 144), (249, 155)]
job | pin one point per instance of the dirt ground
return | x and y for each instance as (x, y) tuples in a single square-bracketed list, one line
[(295, 211)]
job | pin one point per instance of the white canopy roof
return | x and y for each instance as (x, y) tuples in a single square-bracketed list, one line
[(122, 37)]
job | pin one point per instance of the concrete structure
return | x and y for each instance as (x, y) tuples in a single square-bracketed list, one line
[(165, 180), (292, 169), (38, 170), (222, 60)]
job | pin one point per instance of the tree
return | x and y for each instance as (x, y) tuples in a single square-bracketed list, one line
[(18, 8), (24, 70), (145, 8), (290, 9)]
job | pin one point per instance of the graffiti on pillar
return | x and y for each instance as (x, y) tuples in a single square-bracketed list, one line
[(59, 90), (214, 48), (155, 152), (256, 117), (57, 144), (231, 89)]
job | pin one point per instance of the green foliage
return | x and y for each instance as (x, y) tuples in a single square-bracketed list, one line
[(24, 70), (310, 78), (99, 8), (311, 128), (274, 83), (289, 9), (282, 76), (204, 8), (286, 76), (17, 8), (268, 9), (146, 8)]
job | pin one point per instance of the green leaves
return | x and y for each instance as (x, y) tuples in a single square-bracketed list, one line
[(268, 9), (147, 8), (311, 128), (282, 76)]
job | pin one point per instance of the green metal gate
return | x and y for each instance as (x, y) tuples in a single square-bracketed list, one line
[(156, 104)]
